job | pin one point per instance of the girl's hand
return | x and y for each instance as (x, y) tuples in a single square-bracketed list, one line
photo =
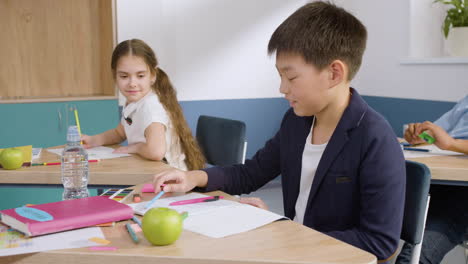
[(132, 148), (254, 201), (90, 141), (411, 135), (123, 150)]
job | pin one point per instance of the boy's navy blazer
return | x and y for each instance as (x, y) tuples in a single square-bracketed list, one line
[(358, 191)]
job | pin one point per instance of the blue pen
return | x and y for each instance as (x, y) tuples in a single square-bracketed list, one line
[(154, 199), (417, 149)]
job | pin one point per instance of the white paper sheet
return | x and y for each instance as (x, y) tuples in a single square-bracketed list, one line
[(36, 153), (215, 219), (13, 243), (95, 153), (433, 151)]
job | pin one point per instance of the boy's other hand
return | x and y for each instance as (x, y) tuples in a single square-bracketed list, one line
[(254, 201), (411, 135)]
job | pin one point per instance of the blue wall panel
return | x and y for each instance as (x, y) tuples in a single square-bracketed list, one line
[(261, 116), (37, 124)]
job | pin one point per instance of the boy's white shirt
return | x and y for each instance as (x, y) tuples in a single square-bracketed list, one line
[(143, 113), (310, 160)]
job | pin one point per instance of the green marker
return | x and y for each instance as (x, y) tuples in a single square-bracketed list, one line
[(427, 137)]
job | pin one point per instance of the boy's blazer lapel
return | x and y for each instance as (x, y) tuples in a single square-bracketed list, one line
[(350, 119)]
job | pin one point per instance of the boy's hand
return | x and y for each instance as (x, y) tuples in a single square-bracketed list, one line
[(179, 181), (442, 139), (89, 141), (411, 135), (254, 201)]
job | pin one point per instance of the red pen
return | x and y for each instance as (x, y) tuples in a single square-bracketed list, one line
[(197, 200), (54, 163)]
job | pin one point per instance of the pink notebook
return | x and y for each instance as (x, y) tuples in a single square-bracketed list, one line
[(65, 215)]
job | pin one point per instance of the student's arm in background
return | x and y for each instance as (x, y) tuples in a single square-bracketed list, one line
[(112, 136), (442, 139), (411, 135), (155, 146)]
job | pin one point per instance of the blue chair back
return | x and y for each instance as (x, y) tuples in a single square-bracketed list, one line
[(418, 180), (221, 140)]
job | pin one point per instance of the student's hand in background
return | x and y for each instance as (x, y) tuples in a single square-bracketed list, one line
[(411, 135), (90, 141), (442, 139), (254, 201), (176, 180)]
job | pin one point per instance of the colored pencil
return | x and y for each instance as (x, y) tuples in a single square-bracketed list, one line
[(78, 123)]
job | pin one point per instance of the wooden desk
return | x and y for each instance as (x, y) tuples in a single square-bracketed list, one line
[(278, 242), (126, 171), (449, 170)]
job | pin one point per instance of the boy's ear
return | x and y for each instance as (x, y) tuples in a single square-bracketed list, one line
[(337, 72)]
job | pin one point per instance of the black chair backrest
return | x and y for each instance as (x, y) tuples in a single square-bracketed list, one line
[(221, 140), (418, 181)]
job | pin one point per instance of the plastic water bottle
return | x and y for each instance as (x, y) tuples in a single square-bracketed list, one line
[(75, 172)]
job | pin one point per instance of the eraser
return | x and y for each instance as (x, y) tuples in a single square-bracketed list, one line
[(428, 138), (147, 188), (136, 198)]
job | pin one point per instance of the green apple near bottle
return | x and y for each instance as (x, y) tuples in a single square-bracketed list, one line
[(11, 158), (162, 226)]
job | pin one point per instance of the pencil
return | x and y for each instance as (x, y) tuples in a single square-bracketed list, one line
[(78, 123), (54, 163), (148, 205), (155, 198)]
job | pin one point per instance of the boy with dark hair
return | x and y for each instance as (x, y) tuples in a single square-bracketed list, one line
[(342, 169)]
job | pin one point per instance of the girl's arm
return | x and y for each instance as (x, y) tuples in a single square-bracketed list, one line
[(112, 136), (155, 146)]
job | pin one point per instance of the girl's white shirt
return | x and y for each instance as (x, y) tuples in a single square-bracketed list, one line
[(143, 113), (310, 160)]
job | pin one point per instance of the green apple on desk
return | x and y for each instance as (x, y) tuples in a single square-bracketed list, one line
[(11, 158), (162, 226)]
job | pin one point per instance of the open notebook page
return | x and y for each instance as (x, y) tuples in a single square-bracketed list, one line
[(215, 219)]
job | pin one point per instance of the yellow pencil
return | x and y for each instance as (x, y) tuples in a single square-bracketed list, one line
[(78, 122)]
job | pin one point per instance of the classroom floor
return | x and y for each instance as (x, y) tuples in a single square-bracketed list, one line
[(272, 195)]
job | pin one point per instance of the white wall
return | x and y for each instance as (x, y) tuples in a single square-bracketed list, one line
[(211, 49), (216, 49), (388, 25)]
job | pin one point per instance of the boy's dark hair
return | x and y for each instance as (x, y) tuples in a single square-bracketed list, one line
[(322, 32)]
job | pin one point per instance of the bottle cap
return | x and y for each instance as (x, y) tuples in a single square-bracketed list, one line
[(73, 135)]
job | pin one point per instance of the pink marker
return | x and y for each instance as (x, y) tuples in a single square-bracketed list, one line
[(98, 248), (197, 200)]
